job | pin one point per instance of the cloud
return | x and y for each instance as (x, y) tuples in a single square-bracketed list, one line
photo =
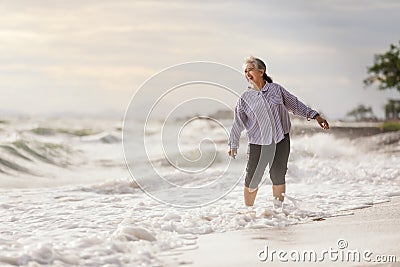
[(103, 46)]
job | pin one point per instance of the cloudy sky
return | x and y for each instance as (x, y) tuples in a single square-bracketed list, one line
[(90, 56)]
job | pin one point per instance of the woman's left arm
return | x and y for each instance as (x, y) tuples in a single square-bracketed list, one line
[(293, 104)]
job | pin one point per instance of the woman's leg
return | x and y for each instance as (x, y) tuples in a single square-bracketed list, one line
[(258, 159), (279, 167), (277, 191), (249, 196)]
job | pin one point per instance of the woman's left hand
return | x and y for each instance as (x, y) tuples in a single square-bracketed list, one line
[(322, 122)]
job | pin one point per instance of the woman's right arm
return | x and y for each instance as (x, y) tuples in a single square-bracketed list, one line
[(238, 126)]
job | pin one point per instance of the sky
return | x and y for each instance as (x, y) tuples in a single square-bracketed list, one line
[(89, 57)]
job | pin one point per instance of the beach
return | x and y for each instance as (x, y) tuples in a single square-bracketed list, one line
[(68, 199), (126, 128), (375, 229)]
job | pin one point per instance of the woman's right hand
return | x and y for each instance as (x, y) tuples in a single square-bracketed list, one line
[(322, 122), (232, 152)]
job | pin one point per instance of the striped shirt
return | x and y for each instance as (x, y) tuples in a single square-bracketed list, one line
[(252, 113)]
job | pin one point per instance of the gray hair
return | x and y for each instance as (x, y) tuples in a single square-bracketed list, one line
[(257, 63)]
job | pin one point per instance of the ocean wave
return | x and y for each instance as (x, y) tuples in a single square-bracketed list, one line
[(192, 158), (6, 164), (24, 156), (115, 223), (85, 134), (383, 141), (56, 154), (117, 186), (321, 145), (47, 131), (103, 137)]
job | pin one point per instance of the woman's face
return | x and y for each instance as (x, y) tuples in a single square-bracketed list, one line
[(252, 74)]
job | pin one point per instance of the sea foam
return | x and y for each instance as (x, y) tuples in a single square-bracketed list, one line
[(79, 206)]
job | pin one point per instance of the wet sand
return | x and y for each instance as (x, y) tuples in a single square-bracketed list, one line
[(373, 230)]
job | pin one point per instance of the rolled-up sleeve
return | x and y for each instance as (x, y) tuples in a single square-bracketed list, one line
[(238, 124), (296, 106)]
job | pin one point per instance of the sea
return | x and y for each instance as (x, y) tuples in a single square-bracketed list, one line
[(70, 195)]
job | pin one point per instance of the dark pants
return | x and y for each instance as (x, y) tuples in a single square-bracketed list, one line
[(262, 155)]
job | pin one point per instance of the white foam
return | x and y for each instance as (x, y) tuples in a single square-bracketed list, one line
[(113, 222)]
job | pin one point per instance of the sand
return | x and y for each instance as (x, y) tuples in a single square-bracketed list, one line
[(375, 229)]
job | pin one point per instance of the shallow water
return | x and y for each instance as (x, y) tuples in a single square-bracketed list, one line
[(67, 197)]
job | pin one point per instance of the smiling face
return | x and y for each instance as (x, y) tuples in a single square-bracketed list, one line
[(252, 74)]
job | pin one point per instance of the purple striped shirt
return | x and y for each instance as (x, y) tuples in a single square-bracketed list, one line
[(252, 114)]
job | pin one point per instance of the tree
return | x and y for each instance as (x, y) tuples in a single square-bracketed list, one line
[(392, 109), (361, 112), (386, 69)]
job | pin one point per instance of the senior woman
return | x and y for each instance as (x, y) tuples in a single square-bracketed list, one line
[(266, 145)]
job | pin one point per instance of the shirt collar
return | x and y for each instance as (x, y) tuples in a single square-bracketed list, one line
[(265, 88)]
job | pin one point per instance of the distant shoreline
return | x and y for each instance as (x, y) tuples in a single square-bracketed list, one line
[(339, 131)]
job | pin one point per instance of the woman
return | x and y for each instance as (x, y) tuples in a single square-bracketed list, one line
[(267, 129)]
